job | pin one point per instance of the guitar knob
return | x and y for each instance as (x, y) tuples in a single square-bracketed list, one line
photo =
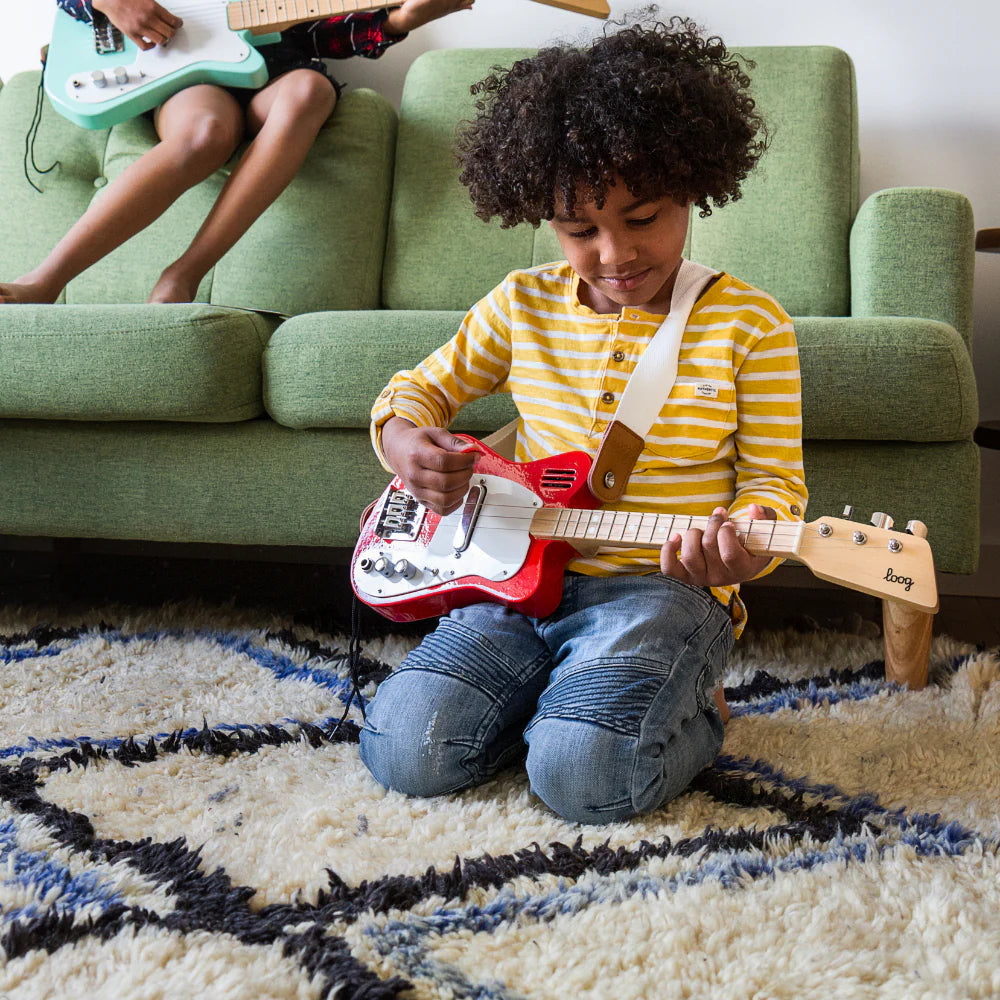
[(98, 79), (383, 566), (848, 512), (405, 569), (121, 74), (881, 520)]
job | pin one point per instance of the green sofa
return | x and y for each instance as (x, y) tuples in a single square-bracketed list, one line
[(244, 419)]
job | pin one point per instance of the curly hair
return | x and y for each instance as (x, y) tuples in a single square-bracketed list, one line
[(659, 105)]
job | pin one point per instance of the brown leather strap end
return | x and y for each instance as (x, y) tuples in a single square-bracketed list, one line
[(616, 457)]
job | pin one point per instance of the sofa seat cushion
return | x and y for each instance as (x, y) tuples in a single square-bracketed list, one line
[(191, 362), (886, 378)]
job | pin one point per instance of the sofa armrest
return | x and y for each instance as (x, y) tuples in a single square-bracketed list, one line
[(912, 255)]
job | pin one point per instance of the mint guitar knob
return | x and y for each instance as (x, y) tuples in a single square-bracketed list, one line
[(121, 74), (98, 79)]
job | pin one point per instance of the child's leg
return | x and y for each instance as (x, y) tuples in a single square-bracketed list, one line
[(199, 128), (284, 118), (454, 712), (629, 717)]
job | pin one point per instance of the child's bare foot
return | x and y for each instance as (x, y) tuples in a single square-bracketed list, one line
[(25, 291), (174, 287)]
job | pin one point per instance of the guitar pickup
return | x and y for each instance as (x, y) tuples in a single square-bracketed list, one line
[(470, 514), (107, 38)]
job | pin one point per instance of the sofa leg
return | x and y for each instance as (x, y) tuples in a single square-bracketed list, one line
[(907, 643)]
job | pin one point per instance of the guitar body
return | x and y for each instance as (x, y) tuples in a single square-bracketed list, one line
[(482, 552), (521, 523), (204, 50)]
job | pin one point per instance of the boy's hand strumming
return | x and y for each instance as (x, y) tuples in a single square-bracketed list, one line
[(414, 13), (714, 557), (144, 21), (435, 465)]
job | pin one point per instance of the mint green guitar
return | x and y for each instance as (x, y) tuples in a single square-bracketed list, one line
[(97, 78)]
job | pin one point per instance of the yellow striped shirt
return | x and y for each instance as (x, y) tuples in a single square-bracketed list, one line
[(729, 433)]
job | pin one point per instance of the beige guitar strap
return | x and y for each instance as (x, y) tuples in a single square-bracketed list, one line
[(642, 400), (647, 388)]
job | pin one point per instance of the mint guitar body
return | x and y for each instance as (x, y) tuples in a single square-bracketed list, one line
[(98, 89)]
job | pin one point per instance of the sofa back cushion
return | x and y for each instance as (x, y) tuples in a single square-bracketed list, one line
[(788, 233), (319, 246)]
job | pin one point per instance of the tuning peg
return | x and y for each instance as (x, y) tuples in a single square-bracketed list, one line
[(881, 520), (848, 512), (917, 528)]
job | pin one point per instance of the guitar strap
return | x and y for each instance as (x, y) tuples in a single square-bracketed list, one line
[(647, 389), (644, 395)]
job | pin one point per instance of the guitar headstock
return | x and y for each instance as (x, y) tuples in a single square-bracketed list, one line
[(872, 558)]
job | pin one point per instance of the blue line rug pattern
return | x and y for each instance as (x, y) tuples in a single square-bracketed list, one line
[(182, 809)]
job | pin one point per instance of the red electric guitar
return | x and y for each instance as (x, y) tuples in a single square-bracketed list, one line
[(522, 522)]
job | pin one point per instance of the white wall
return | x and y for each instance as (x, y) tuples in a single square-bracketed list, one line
[(928, 90)]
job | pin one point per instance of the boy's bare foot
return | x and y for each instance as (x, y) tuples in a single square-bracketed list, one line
[(25, 291), (173, 287)]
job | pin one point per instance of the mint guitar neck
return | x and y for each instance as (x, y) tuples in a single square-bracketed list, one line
[(651, 531)]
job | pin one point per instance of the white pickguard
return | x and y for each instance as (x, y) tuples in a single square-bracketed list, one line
[(205, 37), (497, 549)]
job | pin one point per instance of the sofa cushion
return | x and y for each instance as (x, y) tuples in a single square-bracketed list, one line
[(33, 221), (319, 246), (788, 234), (885, 378), (123, 362), (863, 379), (325, 369)]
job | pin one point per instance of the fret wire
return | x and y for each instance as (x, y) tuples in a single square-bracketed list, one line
[(574, 521), (650, 524)]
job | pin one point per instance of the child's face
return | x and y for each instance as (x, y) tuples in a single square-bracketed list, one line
[(627, 252)]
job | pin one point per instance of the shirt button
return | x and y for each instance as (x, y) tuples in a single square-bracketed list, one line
[(607, 397), (795, 509), (618, 356), (633, 315)]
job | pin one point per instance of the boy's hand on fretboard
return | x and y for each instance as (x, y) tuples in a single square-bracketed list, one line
[(714, 557)]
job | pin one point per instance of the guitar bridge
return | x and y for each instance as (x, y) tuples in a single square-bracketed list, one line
[(401, 517), (107, 38)]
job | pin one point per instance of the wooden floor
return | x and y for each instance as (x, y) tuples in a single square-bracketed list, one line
[(317, 592)]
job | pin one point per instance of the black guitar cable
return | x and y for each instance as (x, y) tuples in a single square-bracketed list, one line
[(32, 134), (354, 664)]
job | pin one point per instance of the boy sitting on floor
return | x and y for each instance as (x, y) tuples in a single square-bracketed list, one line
[(613, 692)]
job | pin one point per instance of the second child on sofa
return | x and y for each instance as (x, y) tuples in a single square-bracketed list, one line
[(199, 130), (613, 692)]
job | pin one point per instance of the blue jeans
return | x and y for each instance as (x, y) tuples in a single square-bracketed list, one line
[(613, 694)]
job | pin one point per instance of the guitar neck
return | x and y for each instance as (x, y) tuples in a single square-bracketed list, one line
[(636, 530), (260, 16), (275, 15)]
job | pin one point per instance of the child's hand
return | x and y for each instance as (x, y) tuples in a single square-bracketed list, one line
[(714, 557), (413, 13), (435, 465), (144, 21)]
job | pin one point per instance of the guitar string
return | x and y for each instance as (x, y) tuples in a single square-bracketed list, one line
[(525, 509), (781, 531)]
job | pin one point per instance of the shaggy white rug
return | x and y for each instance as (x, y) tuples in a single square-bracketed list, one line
[(181, 816)]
